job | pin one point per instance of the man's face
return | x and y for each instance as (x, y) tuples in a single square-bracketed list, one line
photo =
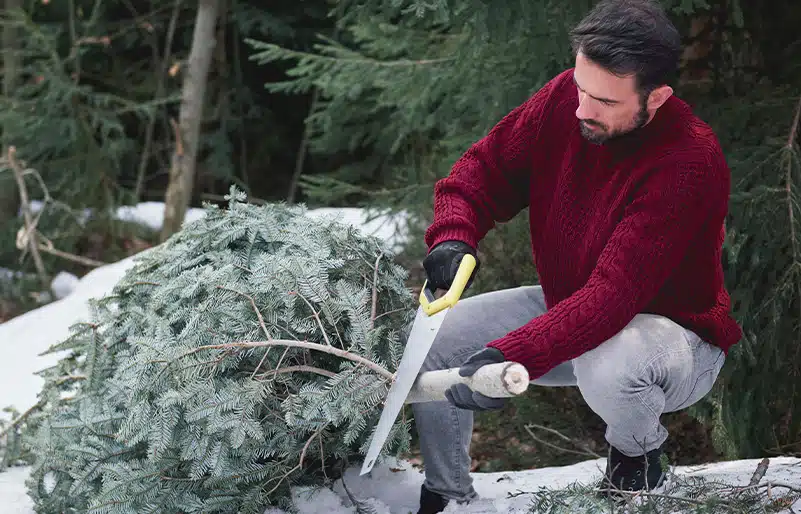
[(610, 105)]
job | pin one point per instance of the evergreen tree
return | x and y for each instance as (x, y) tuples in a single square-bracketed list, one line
[(248, 353)]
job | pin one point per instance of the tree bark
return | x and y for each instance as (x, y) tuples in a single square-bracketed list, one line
[(502, 380), (9, 197), (187, 133)]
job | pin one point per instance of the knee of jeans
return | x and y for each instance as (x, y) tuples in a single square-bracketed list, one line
[(645, 352)]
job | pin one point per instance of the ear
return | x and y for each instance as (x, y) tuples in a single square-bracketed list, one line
[(658, 97)]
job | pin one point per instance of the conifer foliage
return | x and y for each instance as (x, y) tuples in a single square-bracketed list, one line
[(248, 353)]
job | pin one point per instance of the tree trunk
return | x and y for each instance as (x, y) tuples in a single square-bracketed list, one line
[(187, 133), (9, 196)]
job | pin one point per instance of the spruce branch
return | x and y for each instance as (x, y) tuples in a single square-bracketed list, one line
[(333, 350), (677, 492), (271, 52), (234, 429), (20, 419), (299, 465), (252, 304)]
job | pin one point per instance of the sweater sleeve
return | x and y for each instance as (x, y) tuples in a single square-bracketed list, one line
[(489, 183), (648, 243)]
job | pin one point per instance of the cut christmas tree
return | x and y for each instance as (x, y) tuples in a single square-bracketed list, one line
[(248, 353)]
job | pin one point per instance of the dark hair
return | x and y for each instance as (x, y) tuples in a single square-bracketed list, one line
[(630, 36)]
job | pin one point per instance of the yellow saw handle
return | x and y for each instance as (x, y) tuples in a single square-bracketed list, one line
[(433, 305)]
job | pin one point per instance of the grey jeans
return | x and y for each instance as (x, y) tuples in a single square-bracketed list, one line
[(650, 367)]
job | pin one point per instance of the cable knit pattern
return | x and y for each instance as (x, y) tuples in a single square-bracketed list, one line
[(631, 226)]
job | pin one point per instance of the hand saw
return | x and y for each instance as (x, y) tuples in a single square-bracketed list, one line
[(429, 318)]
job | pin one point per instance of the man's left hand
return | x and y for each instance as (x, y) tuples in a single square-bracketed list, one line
[(462, 396)]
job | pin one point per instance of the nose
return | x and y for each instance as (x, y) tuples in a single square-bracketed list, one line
[(584, 112)]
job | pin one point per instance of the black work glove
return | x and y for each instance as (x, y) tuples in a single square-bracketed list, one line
[(442, 263), (462, 396)]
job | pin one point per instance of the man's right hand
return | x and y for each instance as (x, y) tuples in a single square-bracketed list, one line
[(442, 263)]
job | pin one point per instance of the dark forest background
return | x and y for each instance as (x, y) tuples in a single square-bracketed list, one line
[(366, 103)]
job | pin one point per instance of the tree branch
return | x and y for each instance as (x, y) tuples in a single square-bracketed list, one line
[(333, 350), (30, 226), (585, 451), (374, 307), (315, 314), (300, 367)]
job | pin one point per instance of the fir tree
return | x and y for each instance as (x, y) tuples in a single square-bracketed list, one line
[(248, 353)]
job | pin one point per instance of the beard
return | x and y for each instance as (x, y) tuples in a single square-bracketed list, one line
[(602, 134)]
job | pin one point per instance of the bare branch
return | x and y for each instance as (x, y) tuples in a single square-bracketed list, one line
[(375, 292), (47, 247), (253, 304), (301, 367), (302, 456), (760, 471), (30, 227), (297, 344), (316, 316), (789, 182), (585, 450)]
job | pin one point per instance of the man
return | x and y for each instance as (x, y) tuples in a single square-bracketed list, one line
[(627, 192)]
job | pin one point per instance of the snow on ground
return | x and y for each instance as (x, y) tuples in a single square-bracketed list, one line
[(392, 487)]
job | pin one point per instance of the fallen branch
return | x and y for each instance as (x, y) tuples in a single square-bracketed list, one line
[(24, 238), (30, 226), (760, 471), (585, 450)]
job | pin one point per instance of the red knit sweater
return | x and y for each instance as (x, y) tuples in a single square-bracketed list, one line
[(631, 226)]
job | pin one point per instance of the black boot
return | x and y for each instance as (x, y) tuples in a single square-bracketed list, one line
[(629, 473), (431, 502)]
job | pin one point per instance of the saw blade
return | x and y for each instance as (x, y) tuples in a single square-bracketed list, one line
[(421, 337)]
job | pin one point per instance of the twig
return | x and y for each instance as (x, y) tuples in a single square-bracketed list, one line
[(24, 237), (661, 496), (333, 350), (71, 257), (26, 212), (302, 456), (374, 307), (315, 315), (20, 419), (252, 304), (146, 148), (760, 471), (393, 311), (794, 128), (585, 450), (789, 180), (301, 367), (301, 156), (771, 484)]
